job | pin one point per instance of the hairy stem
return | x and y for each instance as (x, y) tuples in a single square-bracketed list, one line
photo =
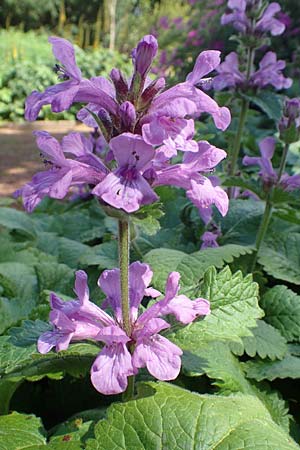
[(124, 273), (242, 119), (282, 162), (263, 228), (124, 242)]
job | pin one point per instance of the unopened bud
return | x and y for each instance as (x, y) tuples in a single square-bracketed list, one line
[(105, 123), (151, 91), (128, 116), (120, 84), (144, 54)]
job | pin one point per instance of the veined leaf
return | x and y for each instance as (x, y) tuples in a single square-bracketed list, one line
[(172, 418), (282, 308)]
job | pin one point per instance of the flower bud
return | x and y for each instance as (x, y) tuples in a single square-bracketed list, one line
[(128, 116), (106, 124), (144, 54), (151, 91), (120, 84)]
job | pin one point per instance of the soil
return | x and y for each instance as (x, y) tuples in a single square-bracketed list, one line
[(19, 155)]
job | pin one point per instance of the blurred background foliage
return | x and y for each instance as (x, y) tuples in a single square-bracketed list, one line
[(105, 31)]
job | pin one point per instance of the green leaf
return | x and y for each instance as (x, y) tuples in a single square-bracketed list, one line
[(288, 367), (282, 309), (241, 223), (280, 256), (172, 418), (20, 431), (234, 310), (20, 280), (104, 255), (269, 102), (55, 277), (17, 220), (266, 342), (19, 359), (190, 266)]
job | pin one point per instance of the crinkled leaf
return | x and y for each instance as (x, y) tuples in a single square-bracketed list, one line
[(282, 309), (234, 310), (17, 220), (190, 266), (288, 367), (280, 256), (170, 417), (266, 342), (21, 431), (104, 255), (20, 280), (55, 277)]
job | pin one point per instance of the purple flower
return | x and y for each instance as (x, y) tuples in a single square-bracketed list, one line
[(229, 75), (270, 73), (269, 23), (73, 89), (239, 16), (126, 187), (267, 147), (209, 240), (81, 319), (267, 173), (144, 54), (188, 175), (63, 172)]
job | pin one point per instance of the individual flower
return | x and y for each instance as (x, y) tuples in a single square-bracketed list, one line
[(267, 172), (270, 73), (123, 354), (189, 175), (267, 148), (73, 89), (209, 239), (63, 172), (125, 187)]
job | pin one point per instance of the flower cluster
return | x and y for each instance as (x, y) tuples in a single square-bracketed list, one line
[(141, 126), (267, 173), (253, 22), (123, 353), (240, 13), (269, 73)]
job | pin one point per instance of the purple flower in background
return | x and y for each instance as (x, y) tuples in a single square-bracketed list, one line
[(269, 73), (267, 148), (209, 239), (81, 319), (229, 75), (63, 172), (239, 12), (267, 172)]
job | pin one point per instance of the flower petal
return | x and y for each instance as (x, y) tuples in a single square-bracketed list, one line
[(159, 355), (111, 368)]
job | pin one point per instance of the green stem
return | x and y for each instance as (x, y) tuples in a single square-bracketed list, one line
[(237, 141), (282, 162), (124, 241), (263, 227), (242, 119), (124, 273)]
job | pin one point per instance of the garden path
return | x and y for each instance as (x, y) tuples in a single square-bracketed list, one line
[(19, 155)]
